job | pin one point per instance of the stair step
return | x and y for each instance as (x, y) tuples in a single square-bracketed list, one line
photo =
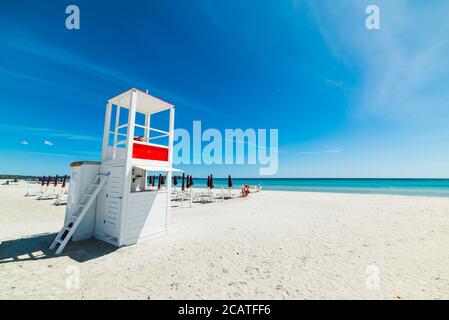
[(67, 231)]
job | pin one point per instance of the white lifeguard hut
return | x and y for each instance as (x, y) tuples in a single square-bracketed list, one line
[(111, 200)]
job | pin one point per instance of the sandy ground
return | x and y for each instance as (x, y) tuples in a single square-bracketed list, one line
[(273, 245)]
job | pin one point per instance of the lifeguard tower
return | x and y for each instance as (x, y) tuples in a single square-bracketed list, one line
[(111, 200)]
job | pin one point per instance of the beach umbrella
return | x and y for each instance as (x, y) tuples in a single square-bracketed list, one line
[(48, 181), (211, 182), (191, 181), (229, 182), (175, 180), (183, 182), (159, 182), (56, 181), (64, 181)]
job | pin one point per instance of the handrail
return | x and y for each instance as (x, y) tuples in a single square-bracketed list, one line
[(151, 129), (160, 131), (157, 137), (118, 133)]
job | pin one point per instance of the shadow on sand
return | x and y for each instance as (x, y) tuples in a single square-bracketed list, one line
[(36, 248)]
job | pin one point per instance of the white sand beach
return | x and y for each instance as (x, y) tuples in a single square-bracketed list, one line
[(272, 245)]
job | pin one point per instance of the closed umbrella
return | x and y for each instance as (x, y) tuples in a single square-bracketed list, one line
[(153, 182), (183, 182), (208, 181), (229, 182), (159, 182), (211, 182), (189, 178), (43, 181), (191, 181), (175, 180), (56, 181), (48, 181), (64, 181)]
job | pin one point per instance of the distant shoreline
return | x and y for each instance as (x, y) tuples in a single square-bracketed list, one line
[(20, 176)]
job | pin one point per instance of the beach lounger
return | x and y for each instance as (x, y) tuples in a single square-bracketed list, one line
[(61, 199)]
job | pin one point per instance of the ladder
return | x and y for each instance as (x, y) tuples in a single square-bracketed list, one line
[(69, 228)]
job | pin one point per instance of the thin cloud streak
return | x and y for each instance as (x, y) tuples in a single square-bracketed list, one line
[(319, 152), (67, 59), (50, 133), (399, 79)]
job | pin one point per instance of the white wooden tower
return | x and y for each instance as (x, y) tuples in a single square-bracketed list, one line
[(111, 200)]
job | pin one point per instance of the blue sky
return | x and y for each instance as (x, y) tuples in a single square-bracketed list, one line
[(348, 102)]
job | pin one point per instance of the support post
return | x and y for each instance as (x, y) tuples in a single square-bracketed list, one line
[(171, 130), (128, 162), (117, 123), (147, 127), (107, 124)]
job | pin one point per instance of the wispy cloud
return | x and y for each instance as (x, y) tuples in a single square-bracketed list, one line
[(60, 155), (403, 68), (45, 132), (48, 143), (319, 152), (24, 142), (30, 45)]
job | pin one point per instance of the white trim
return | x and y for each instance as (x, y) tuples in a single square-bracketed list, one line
[(161, 136), (150, 144), (156, 168)]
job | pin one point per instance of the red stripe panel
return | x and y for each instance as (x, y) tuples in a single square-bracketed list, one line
[(141, 151)]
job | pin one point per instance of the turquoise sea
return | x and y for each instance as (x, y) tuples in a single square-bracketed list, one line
[(416, 187)]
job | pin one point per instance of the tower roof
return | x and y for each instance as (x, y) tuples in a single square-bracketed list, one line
[(146, 103)]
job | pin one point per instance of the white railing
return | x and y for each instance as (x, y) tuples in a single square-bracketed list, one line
[(146, 139)]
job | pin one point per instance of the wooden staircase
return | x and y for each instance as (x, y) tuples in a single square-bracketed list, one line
[(85, 202)]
